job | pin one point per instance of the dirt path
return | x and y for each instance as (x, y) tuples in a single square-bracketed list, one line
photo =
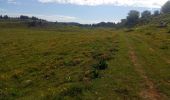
[(149, 92)]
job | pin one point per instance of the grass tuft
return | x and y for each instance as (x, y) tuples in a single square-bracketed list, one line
[(101, 65)]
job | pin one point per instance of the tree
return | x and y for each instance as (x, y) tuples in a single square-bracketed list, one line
[(123, 22), (34, 18), (132, 18), (146, 14), (104, 24), (1, 17), (6, 17), (156, 13), (145, 17), (166, 7), (24, 17)]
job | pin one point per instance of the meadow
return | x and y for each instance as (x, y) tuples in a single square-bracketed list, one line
[(73, 63)]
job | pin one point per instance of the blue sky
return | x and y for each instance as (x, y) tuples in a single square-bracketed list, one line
[(83, 11)]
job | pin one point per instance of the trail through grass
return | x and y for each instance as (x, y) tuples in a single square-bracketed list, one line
[(151, 66), (150, 92)]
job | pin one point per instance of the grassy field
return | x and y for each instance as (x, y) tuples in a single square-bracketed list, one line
[(84, 64)]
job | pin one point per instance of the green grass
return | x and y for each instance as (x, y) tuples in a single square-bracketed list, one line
[(73, 63)]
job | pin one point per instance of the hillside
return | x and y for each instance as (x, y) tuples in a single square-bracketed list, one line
[(156, 20)]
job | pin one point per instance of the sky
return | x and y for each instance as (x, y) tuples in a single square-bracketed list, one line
[(82, 11)]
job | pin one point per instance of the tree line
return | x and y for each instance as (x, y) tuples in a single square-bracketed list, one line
[(30, 21), (22, 17), (134, 17)]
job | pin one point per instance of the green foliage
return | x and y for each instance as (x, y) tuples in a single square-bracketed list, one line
[(156, 13), (145, 14), (6, 17), (22, 17), (132, 18), (1, 17)]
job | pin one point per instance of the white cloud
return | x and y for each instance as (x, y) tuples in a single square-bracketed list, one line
[(14, 2), (134, 3)]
